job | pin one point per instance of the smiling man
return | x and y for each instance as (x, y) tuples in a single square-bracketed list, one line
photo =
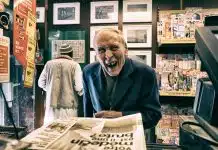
[(116, 86)]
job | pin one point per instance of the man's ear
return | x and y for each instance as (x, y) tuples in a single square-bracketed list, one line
[(126, 52)]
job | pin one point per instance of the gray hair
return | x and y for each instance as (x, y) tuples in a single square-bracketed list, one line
[(118, 32)]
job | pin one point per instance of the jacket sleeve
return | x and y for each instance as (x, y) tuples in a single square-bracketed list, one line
[(87, 104), (149, 106), (42, 79)]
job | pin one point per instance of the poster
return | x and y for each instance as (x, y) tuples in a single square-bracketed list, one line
[(24, 37), (31, 46), (6, 2), (29, 74), (4, 59), (24, 29)]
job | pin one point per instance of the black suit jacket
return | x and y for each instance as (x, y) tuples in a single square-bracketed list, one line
[(136, 91)]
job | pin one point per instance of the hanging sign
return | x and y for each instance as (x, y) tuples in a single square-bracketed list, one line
[(24, 29), (24, 32), (2, 7), (29, 74), (4, 59), (31, 32), (30, 53), (6, 2)]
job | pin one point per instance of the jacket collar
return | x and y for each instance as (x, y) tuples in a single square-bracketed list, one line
[(125, 72)]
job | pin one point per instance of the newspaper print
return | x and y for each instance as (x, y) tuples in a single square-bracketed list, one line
[(124, 133), (46, 135)]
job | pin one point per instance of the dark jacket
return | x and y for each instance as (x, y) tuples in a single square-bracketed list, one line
[(136, 91)]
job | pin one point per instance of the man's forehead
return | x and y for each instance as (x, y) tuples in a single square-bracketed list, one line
[(108, 36)]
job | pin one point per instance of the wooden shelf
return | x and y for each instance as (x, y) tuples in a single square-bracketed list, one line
[(177, 41)]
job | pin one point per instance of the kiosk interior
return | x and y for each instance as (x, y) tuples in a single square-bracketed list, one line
[(206, 98)]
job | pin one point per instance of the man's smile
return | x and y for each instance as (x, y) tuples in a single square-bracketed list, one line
[(111, 64)]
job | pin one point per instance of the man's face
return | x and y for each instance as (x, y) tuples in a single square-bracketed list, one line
[(110, 52)]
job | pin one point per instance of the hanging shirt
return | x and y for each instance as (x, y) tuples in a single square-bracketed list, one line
[(61, 78)]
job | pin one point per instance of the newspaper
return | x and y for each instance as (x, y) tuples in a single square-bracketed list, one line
[(124, 133)]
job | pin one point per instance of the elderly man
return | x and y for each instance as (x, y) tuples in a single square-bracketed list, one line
[(116, 86), (61, 78)]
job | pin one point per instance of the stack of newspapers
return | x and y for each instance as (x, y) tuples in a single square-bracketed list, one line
[(124, 133)]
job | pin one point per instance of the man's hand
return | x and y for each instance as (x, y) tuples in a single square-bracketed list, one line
[(108, 114)]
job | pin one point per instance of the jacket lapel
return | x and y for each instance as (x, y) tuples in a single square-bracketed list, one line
[(99, 84), (123, 83)]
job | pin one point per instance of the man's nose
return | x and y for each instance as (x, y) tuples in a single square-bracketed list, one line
[(108, 53)]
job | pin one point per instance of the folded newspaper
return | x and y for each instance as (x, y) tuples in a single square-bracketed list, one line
[(124, 133)]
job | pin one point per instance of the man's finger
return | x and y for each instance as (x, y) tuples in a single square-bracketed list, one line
[(99, 114)]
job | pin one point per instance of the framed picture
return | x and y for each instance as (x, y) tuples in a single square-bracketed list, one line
[(40, 14), (142, 56), (92, 56), (137, 11), (66, 13), (94, 29), (77, 45), (104, 12), (138, 35)]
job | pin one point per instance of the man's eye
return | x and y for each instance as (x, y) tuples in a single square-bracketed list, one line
[(114, 48), (101, 50)]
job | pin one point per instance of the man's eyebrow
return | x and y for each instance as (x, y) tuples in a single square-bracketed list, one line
[(101, 47)]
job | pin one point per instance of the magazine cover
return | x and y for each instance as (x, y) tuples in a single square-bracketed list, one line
[(177, 74), (178, 26)]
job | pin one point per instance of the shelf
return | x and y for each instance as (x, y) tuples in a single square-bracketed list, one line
[(176, 44), (177, 93), (179, 101), (176, 48), (178, 41)]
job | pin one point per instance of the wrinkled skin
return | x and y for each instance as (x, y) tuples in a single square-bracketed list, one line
[(110, 51)]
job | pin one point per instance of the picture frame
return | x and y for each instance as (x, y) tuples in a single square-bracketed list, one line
[(40, 14), (138, 55), (94, 29), (78, 47), (137, 11), (92, 56), (138, 35), (66, 13), (141, 56), (104, 12)]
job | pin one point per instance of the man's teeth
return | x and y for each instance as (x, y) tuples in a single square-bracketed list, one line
[(111, 64)]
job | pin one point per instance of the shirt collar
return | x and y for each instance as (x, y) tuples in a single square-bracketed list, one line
[(64, 57)]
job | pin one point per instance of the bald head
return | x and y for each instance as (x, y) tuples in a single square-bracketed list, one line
[(107, 34)]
